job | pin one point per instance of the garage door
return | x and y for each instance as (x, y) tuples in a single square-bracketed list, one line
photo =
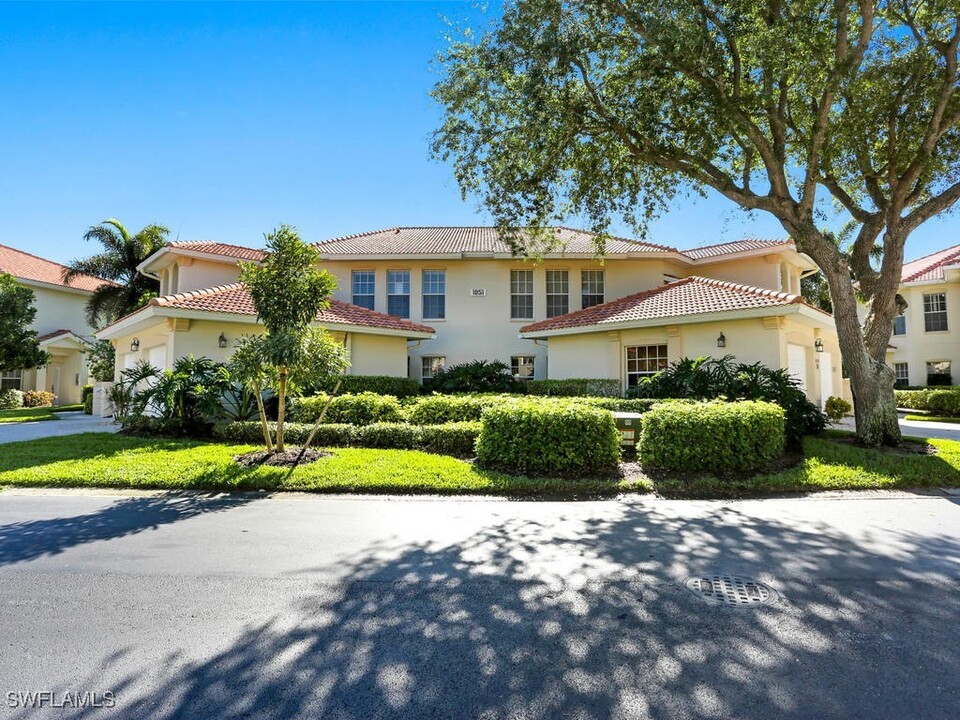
[(797, 363)]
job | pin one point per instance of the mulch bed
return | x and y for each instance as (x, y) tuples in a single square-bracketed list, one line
[(288, 458)]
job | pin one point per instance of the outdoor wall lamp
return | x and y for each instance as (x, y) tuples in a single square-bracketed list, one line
[(818, 345), (135, 345), (222, 340), (722, 341)]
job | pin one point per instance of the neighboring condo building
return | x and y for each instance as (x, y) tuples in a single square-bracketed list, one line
[(924, 349), (60, 323), (411, 300)]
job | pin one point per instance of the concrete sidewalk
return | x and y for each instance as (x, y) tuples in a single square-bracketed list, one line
[(67, 423), (915, 428)]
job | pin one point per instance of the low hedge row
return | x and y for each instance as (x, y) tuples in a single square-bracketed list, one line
[(938, 401), (712, 436), (455, 439), (576, 387), (399, 387), (360, 409), (537, 438)]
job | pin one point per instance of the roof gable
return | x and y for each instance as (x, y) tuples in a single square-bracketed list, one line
[(720, 250), (27, 266), (218, 248), (929, 268)]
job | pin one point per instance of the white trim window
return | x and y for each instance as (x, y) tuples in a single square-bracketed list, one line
[(939, 372), (558, 293), (901, 371), (521, 294), (398, 293), (935, 312), (11, 379), (521, 366), (434, 294), (900, 325), (591, 287), (430, 365), (364, 288), (644, 361)]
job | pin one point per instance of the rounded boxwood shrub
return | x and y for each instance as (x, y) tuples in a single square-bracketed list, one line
[(439, 409), (548, 438), (361, 409), (715, 436), (10, 399), (576, 387)]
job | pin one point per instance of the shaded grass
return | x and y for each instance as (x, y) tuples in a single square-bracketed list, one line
[(27, 415), (108, 460), (76, 407)]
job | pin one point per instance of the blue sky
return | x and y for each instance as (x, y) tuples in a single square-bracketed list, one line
[(223, 120)]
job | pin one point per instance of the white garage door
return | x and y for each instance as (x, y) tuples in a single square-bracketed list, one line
[(826, 377), (797, 363)]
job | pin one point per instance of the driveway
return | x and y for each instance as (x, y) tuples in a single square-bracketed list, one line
[(308, 607), (916, 428), (67, 423)]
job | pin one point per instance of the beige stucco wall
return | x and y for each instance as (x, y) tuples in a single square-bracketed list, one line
[(918, 347), (769, 271), (58, 309), (192, 274)]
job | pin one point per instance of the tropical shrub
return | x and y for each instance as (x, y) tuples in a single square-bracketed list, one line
[(439, 409), (10, 399), (477, 376), (559, 438), (101, 360), (711, 436), (399, 387), (576, 387), (361, 409), (38, 398), (836, 408)]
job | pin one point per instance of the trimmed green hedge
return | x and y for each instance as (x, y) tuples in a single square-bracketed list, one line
[(86, 397), (399, 387), (576, 387), (938, 401), (361, 409), (438, 409), (553, 438), (455, 439), (637, 405), (715, 436)]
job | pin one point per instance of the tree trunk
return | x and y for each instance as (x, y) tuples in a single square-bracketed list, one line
[(281, 409)]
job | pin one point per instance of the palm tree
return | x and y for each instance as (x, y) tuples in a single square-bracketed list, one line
[(130, 289)]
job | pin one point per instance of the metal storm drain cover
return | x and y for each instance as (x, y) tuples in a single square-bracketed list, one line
[(731, 590)]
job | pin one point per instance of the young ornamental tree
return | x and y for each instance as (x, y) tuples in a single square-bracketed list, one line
[(288, 291), (610, 108), (19, 349)]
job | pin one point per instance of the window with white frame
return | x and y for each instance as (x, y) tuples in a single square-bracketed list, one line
[(644, 361), (591, 287), (901, 371), (430, 365), (521, 294), (939, 372), (434, 294), (11, 379), (364, 288), (935, 312), (521, 366), (900, 325), (398, 293), (558, 293)]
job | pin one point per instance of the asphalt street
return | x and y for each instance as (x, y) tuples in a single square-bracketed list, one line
[(307, 607)]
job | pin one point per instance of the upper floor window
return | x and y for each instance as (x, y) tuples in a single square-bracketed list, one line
[(939, 373), (434, 294), (558, 293), (364, 288), (935, 312), (521, 366), (11, 379), (643, 361), (398, 293), (591, 287), (521, 294), (900, 325)]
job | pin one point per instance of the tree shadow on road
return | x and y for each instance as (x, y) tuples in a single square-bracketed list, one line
[(590, 619)]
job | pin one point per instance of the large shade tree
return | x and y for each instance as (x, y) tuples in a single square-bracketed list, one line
[(19, 348), (122, 253), (797, 108)]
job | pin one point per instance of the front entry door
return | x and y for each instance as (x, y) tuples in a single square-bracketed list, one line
[(797, 363), (826, 377)]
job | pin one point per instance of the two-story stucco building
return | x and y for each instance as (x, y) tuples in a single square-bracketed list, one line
[(60, 323), (411, 300), (925, 349)]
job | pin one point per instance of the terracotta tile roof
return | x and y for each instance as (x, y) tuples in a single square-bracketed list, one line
[(28, 266), (455, 240), (689, 296), (219, 248), (234, 298), (727, 248), (930, 267)]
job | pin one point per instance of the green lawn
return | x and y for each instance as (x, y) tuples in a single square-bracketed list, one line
[(27, 415), (108, 460), (76, 407), (932, 418)]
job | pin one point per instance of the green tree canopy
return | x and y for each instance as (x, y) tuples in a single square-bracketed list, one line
[(19, 349), (611, 108)]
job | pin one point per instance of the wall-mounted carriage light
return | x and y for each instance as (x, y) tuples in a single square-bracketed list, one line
[(722, 341), (222, 340), (135, 345), (818, 345)]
